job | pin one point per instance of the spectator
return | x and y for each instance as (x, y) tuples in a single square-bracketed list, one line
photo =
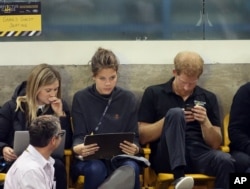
[(103, 108), (39, 95), (184, 140), (239, 129), (34, 167)]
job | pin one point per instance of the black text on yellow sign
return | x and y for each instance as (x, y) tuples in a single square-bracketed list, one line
[(20, 19)]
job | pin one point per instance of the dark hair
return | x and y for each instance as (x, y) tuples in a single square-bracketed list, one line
[(42, 129), (103, 59)]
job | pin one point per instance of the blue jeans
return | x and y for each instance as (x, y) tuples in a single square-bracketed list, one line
[(96, 171)]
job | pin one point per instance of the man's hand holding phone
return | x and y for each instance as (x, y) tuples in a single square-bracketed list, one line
[(188, 112), (188, 107), (194, 112)]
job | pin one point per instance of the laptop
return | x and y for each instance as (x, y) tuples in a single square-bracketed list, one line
[(22, 140), (108, 143)]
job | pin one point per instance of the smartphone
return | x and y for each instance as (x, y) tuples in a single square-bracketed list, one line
[(188, 107)]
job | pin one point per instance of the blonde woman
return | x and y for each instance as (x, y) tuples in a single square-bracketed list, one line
[(39, 95)]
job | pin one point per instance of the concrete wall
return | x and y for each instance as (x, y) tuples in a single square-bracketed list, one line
[(128, 52), (222, 79)]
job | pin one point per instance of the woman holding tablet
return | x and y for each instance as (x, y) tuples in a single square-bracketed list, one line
[(103, 108)]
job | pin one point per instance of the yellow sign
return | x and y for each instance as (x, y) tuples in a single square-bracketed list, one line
[(20, 19)]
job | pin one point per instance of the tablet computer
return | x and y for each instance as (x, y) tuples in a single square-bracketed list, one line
[(108, 143), (22, 140)]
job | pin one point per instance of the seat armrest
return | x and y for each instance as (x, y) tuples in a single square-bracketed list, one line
[(224, 148), (2, 177), (68, 152), (146, 171), (146, 151), (68, 157)]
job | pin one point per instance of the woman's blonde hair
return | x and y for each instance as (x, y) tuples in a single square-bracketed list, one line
[(40, 76)]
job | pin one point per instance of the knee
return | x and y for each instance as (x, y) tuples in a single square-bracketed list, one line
[(242, 161), (175, 112), (96, 167), (224, 159), (224, 156), (134, 165)]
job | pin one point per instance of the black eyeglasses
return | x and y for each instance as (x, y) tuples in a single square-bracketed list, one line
[(60, 134)]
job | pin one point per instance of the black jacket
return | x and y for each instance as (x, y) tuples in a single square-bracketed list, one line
[(11, 120), (239, 123), (88, 108)]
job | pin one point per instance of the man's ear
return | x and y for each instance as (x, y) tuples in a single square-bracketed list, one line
[(174, 72), (53, 140)]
